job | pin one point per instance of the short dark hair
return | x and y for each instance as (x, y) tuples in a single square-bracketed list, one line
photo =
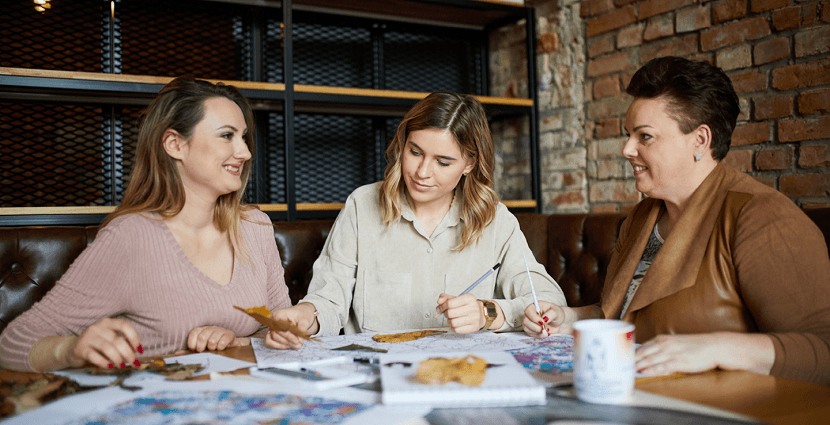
[(697, 93)]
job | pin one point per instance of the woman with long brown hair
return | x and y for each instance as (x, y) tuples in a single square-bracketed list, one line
[(403, 250), (179, 251)]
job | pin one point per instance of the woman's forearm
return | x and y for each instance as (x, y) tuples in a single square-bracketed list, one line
[(53, 353), (745, 351)]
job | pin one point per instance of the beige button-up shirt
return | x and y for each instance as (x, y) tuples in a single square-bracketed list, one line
[(373, 277)]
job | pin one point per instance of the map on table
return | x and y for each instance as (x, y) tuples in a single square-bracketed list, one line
[(225, 408), (435, 343), (554, 354)]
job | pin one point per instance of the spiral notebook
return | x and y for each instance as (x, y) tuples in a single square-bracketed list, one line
[(506, 383)]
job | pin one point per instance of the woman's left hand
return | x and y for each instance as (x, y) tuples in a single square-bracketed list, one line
[(464, 313), (210, 338), (667, 354)]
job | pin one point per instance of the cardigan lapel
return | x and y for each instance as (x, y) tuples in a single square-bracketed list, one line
[(614, 291), (677, 263)]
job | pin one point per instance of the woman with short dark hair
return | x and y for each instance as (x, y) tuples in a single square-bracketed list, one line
[(715, 269)]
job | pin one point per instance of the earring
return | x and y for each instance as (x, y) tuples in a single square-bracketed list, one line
[(698, 157)]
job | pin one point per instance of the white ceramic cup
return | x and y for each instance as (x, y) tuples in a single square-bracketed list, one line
[(604, 361)]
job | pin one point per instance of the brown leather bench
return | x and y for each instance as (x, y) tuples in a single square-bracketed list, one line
[(575, 249)]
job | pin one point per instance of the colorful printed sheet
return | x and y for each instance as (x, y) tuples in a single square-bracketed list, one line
[(224, 407), (553, 355)]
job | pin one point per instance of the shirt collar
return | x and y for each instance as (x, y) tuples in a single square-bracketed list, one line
[(452, 218)]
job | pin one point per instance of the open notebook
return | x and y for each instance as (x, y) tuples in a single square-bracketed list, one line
[(506, 383)]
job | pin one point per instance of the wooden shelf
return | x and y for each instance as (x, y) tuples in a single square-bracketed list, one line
[(126, 78), (528, 203), (355, 93)]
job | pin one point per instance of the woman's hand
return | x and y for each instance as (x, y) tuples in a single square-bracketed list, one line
[(303, 315), (210, 338), (108, 343), (667, 354), (554, 319), (464, 313)]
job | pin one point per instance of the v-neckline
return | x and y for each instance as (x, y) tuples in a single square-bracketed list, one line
[(184, 258)]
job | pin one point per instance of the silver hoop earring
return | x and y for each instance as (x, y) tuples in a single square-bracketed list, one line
[(698, 157)]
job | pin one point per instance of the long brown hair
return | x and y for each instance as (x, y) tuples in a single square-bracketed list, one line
[(155, 185), (464, 117)]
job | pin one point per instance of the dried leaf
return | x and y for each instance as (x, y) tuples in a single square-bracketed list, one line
[(173, 371), (274, 324), (405, 336), (22, 391), (260, 310), (358, 347), (469, 370)]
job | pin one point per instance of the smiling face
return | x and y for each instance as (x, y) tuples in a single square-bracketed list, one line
[(661, 155), (432, 166), (212, 159)]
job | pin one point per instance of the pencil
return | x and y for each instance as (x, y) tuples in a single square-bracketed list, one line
[(481, 279), (532, 291)]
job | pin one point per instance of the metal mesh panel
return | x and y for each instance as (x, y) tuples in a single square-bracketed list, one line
[(182, 37), (67, 36), (275, 157), (129, 137), (329, 55), (429, 62), (272, 50), (333, 156), (53, 155)]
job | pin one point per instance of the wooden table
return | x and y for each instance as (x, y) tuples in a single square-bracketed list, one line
[(768, 399)]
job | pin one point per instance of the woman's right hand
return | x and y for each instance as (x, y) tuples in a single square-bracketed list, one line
[(301, 315), (553, 319), (107, 344)]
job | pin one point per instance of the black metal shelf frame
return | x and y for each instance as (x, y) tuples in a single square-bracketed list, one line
[(288, 102)]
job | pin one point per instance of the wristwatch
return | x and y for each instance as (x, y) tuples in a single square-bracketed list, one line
[(489, 312)]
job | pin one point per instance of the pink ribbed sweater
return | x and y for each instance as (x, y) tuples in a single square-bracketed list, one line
[(136, 271)]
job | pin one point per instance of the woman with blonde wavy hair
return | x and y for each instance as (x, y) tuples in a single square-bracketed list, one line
[(403, 250), (167, 267)]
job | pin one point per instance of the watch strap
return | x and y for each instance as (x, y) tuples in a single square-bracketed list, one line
[(490, 313)]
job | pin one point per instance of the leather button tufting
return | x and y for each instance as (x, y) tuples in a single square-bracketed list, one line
[(16, 268)]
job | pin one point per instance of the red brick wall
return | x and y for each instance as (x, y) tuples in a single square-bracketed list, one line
[(777, 53)]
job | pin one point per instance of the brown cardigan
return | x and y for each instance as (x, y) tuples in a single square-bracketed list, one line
[(742, 258)]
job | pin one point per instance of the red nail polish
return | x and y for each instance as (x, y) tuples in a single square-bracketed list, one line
[(123, 365), (136, 363), (546, 318), (541, 324), (110, 366), (140, 349)]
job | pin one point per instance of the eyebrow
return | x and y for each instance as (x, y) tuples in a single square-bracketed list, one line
[(439, 156), (228, 126), (642, 126)]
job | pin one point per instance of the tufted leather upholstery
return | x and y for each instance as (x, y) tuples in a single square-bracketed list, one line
[(575, 249)]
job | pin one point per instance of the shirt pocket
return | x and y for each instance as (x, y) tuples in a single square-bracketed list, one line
[(384, 302)]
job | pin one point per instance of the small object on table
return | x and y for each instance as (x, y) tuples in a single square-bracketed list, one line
[(469, 370), (406, 336), (358, 347)]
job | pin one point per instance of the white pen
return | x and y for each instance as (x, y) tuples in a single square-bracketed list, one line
[(481, 279), (532, 291)]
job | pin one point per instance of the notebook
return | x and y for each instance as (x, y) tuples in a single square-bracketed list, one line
[(506, 383)]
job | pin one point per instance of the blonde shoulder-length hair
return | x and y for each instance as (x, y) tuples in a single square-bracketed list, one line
[(155, 185), (464, 117)]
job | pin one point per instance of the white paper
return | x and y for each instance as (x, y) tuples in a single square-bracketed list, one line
[(436, 343)]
